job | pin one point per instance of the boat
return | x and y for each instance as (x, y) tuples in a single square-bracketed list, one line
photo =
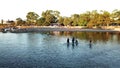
[(4, 30)]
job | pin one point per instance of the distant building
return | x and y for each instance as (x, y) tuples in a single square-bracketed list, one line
[(6, 22), (55, 24)]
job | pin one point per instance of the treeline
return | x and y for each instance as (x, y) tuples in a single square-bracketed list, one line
[(89, 18)]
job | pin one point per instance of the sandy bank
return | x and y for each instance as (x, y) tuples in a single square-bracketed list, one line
[(40, 29)]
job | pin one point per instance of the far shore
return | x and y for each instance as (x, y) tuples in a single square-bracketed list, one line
[(22, 29), (63, 28)]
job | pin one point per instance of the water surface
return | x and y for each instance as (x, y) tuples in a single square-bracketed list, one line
[(50, 50)]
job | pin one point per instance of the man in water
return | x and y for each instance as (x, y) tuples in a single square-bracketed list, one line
[(73, 39), (68, 40), (76, 42), (90, 44)]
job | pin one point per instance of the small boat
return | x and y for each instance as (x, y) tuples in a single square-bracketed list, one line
[(4, 30)]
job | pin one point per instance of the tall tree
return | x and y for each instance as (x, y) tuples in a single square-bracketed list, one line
[(84, 19), (2, 21), (75, 19), (67, 21), (32, 18), (20, 22), (116, 16), (50, 16), (93, 18), (61, 20), (41, 21), (106, 18)]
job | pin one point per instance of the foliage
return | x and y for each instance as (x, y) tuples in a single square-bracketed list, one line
[(40, 21), (32, 18), (19, 21), (50, 16), (89, 18)]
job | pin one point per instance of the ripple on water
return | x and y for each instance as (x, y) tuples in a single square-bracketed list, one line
[(29, 50)]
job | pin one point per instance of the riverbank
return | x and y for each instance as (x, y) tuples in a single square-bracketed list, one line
[(54, 28)]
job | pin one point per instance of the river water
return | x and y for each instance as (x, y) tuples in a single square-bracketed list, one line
[(50, 50)]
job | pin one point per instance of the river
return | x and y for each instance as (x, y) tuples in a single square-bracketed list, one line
[(50, 50)]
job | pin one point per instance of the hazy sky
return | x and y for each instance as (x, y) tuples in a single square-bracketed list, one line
[(12, 9)]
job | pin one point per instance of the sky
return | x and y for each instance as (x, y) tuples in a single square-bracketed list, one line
[(12, 9)]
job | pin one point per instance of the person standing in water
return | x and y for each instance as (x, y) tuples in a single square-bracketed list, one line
[(90, 41), (76, 42), (90, 44), (68, 40), (73, 40)]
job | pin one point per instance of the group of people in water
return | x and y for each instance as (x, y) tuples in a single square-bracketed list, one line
[(74, 41)]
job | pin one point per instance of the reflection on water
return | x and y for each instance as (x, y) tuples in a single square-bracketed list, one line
[(95, 36), (90, 45), (60, 50)]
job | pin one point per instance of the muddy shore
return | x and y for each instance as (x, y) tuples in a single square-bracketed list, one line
[(40, 29), (25, 29)]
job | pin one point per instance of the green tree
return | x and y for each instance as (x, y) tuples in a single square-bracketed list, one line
[(94, 15), (116, 16), (67, 21), (50, 16), (106, 18), (84, 19), (75, 19), (41, 21), (20, 22), (32, 18), (61, 20)]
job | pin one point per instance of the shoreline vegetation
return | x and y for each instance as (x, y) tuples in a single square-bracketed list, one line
[(50, 20)]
